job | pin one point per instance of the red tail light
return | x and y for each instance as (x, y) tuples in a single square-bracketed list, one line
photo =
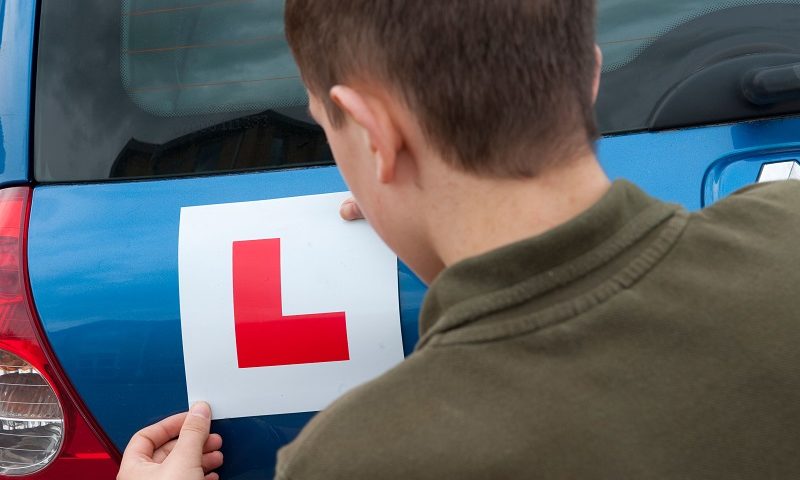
[(45, 431)]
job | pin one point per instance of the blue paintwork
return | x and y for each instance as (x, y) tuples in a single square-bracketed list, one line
[(103, 266), (672, 165), (730, 172), (16, 53), (104, 272)]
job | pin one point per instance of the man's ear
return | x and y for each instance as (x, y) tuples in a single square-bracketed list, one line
[(373, 117), (598, 70)]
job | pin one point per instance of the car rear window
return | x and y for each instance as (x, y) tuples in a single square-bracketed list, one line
[(676, 63), (198, 58), (152, 88)]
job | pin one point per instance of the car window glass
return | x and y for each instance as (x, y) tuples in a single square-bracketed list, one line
[(680, 63), (190, 58), (626, 28), (155, 88)]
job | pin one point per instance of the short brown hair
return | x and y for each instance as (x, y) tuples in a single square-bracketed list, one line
[(499, 86)]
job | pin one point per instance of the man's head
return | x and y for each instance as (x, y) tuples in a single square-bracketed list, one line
[(416, 94), (500, 87)]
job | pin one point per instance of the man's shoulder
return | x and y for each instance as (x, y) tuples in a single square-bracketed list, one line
[(761, 202), (735, 260), (756, 218)]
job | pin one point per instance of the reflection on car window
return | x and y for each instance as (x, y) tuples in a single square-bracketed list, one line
[(626, 28), (153, 88), (676, 63), (198, 57)]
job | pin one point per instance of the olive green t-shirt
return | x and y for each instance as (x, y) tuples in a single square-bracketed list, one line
[(636, 341)]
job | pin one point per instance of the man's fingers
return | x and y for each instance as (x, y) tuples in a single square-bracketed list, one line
[(147, 440), (350, 210), (211, 461), (214, 442), (193, 436), (212, 476), (162, 452)]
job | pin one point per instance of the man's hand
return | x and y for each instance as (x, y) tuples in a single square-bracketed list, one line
[(350, 210), (176, 448)]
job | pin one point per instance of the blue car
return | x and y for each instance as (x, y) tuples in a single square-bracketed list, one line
[(118, 115)]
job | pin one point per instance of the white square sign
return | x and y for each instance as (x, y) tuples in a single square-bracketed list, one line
[(284, 306)]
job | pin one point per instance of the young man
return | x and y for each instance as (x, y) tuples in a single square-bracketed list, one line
[(573, 328)]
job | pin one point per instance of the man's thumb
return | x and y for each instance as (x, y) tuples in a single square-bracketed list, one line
[(350, 210), (194, 432)]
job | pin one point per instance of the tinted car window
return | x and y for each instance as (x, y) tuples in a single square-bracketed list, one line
[(686, 62), (150, 88), (192, 58)]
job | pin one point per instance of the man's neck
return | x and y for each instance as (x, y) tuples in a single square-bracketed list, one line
[(475, 215)]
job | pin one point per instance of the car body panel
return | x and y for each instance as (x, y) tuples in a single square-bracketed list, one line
[(17, 30), (103, 262), (674, 164)]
